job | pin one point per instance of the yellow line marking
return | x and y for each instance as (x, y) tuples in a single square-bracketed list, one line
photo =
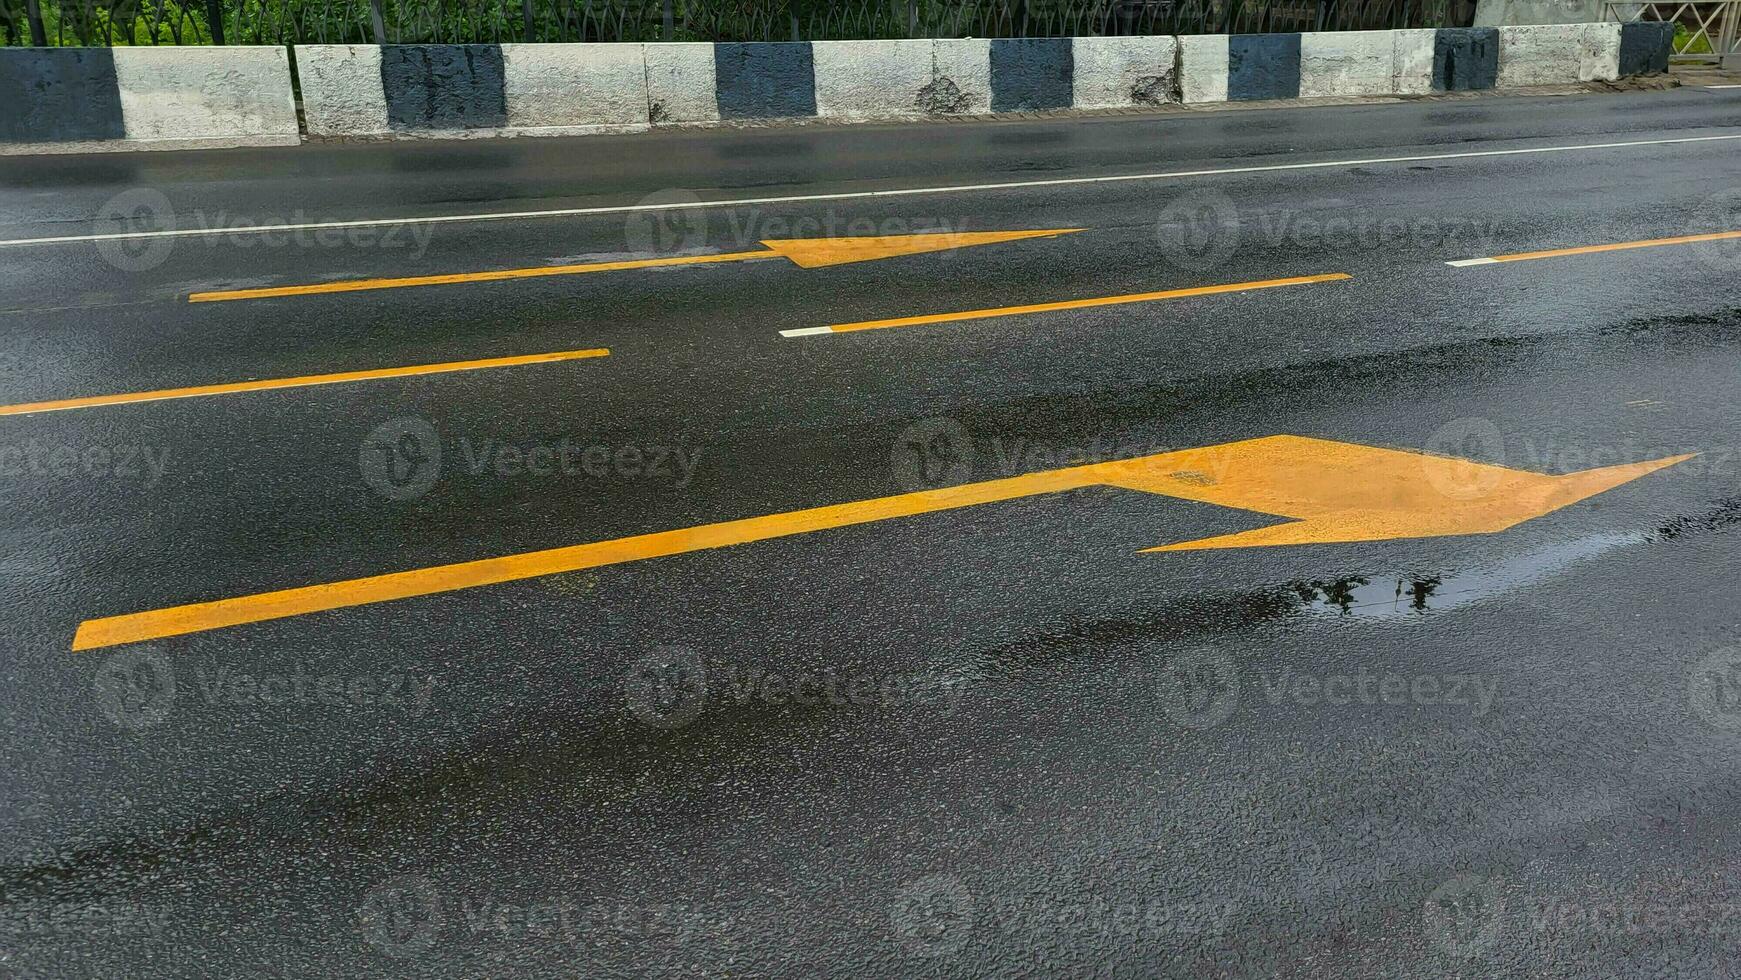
[(1072, 304), (498, 275), (1554, 253), (1334, 491), (808, 253), (312, 379)]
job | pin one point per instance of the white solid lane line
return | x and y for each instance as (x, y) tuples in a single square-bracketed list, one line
[(851, 195), (1462, 263)]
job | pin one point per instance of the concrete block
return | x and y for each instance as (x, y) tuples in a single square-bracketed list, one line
[(764, 80), (444, 86), (961, 77), (1645, 47), (872, 79), (1465, 59), (1203, 68), (206, 93), (1343, 63), (1558, 54), (341, 89), (1263, 66), (1115, 72), (1413, 55), (681, 83), (55, 95), (1031, 74), (574, 87)]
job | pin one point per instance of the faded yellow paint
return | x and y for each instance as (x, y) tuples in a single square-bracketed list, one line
[(1077, 304), (808, 253), (813, 253), (1554, 253), (497, 275), (1333, 491), (269, 384)]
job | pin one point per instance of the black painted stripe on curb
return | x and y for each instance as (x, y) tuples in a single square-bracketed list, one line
[(1263, 66), (1645, 47), (1032, 73), (59, 95), (444, 86), (1465, 59), (764, 79)]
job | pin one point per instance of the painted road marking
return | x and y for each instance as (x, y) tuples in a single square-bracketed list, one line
[(806, 253), (1333, 491), (1070, 304), (1723, 86), (846, 195), (1554, 253), (269, 384)]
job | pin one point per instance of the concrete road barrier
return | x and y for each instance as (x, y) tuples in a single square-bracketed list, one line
[(75, 98), (1558, 54), (1215, 68), (1203, 68), (1645, 48), (449, 90), (901, 79), (680, 83), (558, 89), (1338, 63), (60, 100), (1119, 72)]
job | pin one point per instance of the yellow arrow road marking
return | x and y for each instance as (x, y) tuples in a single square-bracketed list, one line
[(1334, 491), (269, 384), (1069, 304), (807, 253), (1554, 253)]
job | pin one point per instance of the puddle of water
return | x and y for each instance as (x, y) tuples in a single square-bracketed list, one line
[(1395, 596)]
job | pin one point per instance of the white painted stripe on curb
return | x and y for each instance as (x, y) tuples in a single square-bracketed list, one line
[(1723, 86), (1460, 263), (806, 331), (850, 195)]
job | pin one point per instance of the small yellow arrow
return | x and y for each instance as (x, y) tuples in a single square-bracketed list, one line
[(807, 253), (1334, 491)]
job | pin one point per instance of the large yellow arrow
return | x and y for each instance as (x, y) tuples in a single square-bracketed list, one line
[(1334, 491), (807, 253)]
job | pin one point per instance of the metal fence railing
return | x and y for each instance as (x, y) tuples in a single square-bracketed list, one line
[(111, 22)]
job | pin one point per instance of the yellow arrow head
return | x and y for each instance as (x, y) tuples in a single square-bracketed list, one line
[(813, 253), (1338, 491)]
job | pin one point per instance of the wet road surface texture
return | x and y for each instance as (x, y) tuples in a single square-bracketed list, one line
[(998, 739)]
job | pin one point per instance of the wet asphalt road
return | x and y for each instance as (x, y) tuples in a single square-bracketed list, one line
[(956, 744)]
